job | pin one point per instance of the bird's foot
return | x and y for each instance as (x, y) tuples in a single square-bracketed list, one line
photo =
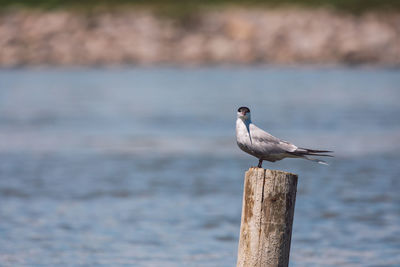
[(260, 163)]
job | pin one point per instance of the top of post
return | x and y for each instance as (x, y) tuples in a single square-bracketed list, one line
[(275, 172)]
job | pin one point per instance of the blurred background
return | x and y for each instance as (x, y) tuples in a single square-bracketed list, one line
[(117, 128)]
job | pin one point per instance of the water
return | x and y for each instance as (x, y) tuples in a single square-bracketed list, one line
[(140, 167)]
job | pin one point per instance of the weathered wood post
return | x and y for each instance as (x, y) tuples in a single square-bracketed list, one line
[(267, 216)]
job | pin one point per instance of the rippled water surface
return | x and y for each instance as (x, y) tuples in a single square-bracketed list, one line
[(140, 166)]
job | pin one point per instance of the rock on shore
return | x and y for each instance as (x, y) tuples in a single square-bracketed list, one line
[(283, 36)]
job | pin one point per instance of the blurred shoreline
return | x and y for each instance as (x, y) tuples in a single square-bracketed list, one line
[(285, 36)]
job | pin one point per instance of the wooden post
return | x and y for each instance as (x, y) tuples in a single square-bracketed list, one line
[(267, 217)]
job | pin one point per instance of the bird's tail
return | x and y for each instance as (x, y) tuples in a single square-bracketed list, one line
[(320, 161), (305, 152)]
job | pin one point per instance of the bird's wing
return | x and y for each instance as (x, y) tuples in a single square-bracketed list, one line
[(268, 143)]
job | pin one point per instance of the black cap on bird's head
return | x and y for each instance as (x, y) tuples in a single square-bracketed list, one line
[(244, 113), (244, 109)]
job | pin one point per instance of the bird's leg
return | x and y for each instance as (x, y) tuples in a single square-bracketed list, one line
[(260, 163)]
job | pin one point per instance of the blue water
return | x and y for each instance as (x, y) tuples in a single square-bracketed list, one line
[(140, 167)]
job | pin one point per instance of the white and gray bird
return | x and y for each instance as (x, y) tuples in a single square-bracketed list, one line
[(264, 146)]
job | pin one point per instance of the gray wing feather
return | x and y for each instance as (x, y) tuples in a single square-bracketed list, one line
[(267, 143)]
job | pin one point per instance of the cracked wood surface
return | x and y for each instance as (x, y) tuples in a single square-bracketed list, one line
[(267, 217)]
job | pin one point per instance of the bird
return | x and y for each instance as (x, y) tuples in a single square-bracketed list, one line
[(265, 146)]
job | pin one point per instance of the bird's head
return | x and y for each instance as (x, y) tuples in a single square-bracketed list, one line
[(243, 113)]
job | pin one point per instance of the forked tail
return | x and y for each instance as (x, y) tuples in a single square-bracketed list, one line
[(304, 153), (320, 161)]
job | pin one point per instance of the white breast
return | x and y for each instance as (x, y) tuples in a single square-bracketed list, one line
[(242, 137)]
